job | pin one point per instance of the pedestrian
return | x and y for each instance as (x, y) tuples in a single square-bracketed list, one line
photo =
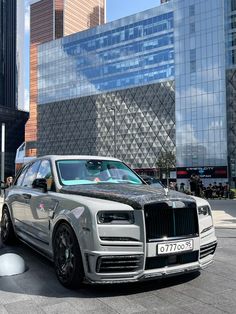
[(221, 190), (9, 181), (226, 190), (182, 189), (209, 191)]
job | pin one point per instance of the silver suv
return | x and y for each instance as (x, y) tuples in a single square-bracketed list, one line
[(99, 222)]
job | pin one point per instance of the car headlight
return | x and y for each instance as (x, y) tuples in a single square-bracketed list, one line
[(204, 210), (115, 217)]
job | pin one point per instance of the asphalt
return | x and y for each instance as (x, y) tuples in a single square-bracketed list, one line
[(212, 292)]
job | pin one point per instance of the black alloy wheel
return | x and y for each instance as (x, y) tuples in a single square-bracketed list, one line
[(67, 257), (7, 230)]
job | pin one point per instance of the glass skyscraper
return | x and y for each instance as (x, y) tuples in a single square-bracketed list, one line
[(50, 20), (129, 52), (159, 80), (11, 79)]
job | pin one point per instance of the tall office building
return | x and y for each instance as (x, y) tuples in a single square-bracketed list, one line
[(11, 78), (8, 53), (49, 20), (162, 79)]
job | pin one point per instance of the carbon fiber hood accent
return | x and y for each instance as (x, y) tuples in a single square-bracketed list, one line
[(134, 195)]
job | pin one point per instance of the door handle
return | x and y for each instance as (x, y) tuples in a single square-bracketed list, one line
[(26, 196)]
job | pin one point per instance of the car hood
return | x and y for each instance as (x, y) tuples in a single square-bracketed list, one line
[(134, 195)]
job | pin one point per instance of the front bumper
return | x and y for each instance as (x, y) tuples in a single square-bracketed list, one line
[(138, 265)]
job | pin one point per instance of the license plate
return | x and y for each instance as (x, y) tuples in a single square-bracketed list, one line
[(175, 247)]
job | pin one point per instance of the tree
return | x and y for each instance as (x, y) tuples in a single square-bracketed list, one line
[(166, 160)]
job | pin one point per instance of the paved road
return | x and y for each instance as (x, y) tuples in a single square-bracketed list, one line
[(38, 291), (213, 291)]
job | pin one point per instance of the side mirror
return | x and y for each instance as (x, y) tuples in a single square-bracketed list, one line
[(40, 183)]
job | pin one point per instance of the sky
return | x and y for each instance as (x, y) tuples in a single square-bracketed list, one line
[(115, 9), (120, 8)]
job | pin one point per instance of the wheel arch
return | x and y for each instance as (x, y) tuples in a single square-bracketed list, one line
[(79, 274), (5, 205), (55, 228)]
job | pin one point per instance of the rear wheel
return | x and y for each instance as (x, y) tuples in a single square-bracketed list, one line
[(67, 257), (7, 230)]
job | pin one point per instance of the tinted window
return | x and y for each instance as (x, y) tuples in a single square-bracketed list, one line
[(31, 174), (20, 178), (46, 173), (73, 172)]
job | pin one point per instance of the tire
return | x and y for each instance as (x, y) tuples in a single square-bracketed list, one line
[(7, 231), (67, 257)]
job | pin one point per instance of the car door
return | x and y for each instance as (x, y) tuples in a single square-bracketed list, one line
[(43, 204), (21, 198)]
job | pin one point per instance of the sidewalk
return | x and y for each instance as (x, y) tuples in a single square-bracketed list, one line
[(224, 220)]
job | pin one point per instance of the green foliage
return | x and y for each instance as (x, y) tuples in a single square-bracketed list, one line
[(232, 193), (166, 160)]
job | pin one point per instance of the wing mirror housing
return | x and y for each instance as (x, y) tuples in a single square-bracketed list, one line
[(40, 183)]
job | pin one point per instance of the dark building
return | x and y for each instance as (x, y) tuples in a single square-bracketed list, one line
[(8, 53), (14, 119)]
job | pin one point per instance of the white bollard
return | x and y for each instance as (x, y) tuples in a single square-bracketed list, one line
[(11, 264)]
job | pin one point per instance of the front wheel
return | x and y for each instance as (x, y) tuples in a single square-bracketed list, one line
[(67, 257), (7, 230)]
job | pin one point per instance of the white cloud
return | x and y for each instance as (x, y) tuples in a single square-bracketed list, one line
[(27, 16)]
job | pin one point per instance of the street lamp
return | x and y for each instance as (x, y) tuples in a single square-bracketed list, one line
[(3, 154), (112, 108)]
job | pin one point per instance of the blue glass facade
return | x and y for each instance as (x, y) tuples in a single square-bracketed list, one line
[(200, 94), (130, 52), (188, 44)]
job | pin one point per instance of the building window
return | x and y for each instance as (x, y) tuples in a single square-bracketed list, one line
[(233, 39), (233, 21), (192, 54), (233, 5), (233, 56), (192, 10), (192, 27), (192, 66)]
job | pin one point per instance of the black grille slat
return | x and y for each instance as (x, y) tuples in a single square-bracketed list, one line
[(117, 268), (185, 221), (174, 260), (119, 264), (208, 249), (164, 221)]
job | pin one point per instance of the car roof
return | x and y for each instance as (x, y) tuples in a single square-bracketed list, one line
[(79, 157)]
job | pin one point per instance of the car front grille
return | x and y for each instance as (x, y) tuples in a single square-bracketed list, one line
[(119, 263), (171, 260), (208, 249), (163, 220)]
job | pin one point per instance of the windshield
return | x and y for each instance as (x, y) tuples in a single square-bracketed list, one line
[(73, 172)]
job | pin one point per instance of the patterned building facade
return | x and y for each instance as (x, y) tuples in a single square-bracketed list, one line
[(135, 129)]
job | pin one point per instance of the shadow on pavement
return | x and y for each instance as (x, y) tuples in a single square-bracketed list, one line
[(40, 280)]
